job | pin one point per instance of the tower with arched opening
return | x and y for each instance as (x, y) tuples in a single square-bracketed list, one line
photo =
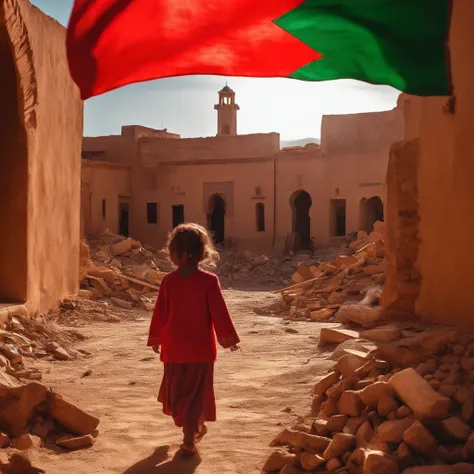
[(226, 112)]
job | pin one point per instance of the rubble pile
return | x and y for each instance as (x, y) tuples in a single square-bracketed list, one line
[(347, 288), (23, 339), (123, 271), (400, 406), (129, 274), (243, 266), (32, 416)]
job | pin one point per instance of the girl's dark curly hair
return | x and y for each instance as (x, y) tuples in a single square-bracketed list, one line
[(193, 240)]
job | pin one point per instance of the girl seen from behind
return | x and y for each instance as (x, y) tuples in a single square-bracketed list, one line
[(189, 313)]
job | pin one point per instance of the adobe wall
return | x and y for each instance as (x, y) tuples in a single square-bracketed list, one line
[(192, 184), (54, 134), (351, 165), (103, 181), (122, 149), (443, 262), (153, 151)]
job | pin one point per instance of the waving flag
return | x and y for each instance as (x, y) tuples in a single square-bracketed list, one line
[(401, 43)]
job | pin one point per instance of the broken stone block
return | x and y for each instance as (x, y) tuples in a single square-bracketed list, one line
[(333, 465), (336, 423), (392, 431), (17, 405), (309, 461), (349, 404), (447, 390), (80, 442), (348, 364), (353, 425), (326, 382), (320, 427), (374, 269), (404, 454), (71, 416), (331, 408), (278, 459), (298, 439), (124, 246), (364, 435), (456, 429), (417, 393), (404, 412), (387, 405), (418, 438), (336, 335), (321, 314), (336, 390), (365, 316), (61, 354), (121, 303), (103, 272), (383, 334), (377, 462), (26, 441), (372, 394), (340, 444)]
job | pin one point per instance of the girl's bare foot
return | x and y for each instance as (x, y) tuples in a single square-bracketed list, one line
[(201, 433), (188, 449)]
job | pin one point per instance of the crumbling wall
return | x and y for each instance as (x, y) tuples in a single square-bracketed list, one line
[(401, 234), (442, 183)]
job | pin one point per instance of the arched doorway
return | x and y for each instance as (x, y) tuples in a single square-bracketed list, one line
[(216, 218), (13, 176), (301, 203), (371, 211)]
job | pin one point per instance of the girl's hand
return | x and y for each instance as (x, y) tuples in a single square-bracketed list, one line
[(156, 349)]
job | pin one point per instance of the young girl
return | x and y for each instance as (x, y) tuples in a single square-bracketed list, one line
[(190, 307)]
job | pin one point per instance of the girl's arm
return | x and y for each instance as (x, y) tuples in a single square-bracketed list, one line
[(159, 317), (225, 331)]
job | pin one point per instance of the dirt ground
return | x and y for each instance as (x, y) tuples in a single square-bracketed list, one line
[(260, 389)]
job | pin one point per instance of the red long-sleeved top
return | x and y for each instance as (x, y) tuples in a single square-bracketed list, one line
[(187, 312)]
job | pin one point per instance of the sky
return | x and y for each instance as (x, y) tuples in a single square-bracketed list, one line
[(185, 105)]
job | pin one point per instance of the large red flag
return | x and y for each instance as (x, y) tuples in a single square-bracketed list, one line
[(401, 43), (112, 43)]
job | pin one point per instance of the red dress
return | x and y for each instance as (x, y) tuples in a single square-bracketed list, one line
[(188, 313)]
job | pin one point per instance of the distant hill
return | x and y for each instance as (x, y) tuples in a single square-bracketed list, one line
[(300, 142)]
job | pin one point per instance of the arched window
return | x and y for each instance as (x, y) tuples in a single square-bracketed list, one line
[(226, 129), (260, 216)]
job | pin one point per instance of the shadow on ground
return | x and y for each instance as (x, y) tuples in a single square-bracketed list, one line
[(157, 463)]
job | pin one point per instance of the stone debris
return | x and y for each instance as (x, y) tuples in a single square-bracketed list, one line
[(31, 415), (372, 416), (346, 289)]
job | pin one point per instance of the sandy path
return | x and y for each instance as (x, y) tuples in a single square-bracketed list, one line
[(254, 389)]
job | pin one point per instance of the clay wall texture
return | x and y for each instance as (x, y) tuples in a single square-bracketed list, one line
[(441, 146), (51, 116), (102, 181)]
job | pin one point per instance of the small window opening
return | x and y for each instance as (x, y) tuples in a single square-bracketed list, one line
[(152, 213), (260, 216), (178, 215), (104, 208)]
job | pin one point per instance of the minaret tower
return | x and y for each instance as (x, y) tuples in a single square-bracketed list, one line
[(226, 112)]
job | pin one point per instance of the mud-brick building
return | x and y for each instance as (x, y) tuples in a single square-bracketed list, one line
[(247, 190), (430, 194), (40, 143)]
